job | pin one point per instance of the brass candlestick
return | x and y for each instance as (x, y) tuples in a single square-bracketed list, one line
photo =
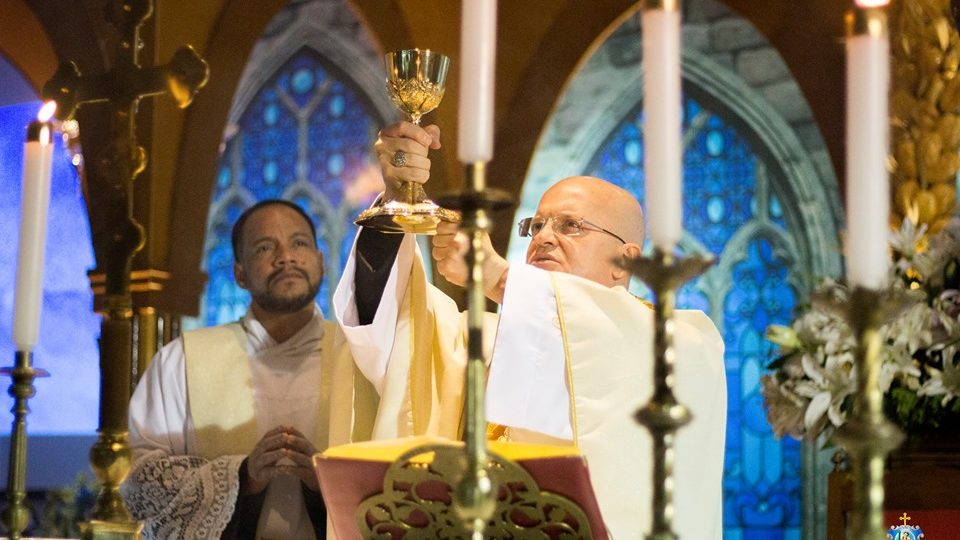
[(474, 499), (868, 436), (663, 415), (416, 81), (16, 517)]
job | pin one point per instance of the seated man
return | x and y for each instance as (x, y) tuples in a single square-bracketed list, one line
[(572, 358), (225, 421)]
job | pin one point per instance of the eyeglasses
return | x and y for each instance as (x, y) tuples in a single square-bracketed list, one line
[(565, 225)]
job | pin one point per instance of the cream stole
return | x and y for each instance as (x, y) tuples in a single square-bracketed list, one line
[(607, 340), (422, 392), (220, 389)]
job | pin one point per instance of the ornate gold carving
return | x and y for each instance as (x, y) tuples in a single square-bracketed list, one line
[(925, 114), (417, 501)]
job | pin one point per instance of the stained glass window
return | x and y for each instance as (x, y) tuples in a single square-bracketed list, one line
[(731, 211), (306, 137)]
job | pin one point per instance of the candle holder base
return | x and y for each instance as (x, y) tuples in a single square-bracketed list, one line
[(96, 529), (16, 516)]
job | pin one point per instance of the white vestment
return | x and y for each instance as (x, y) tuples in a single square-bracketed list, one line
[(183, 487), (561, 335)]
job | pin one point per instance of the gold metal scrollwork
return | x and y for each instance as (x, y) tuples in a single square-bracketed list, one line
[(417, 501)]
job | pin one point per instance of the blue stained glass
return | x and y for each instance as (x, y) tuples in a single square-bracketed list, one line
[(271, 112), (337, 105), (270, 172), (346, 135), (714, 143), (761, 474), (768, 468), (302, 81), (715, 209), (335, 164), (633, 152), (223, 178), (776, 211), (338, 126)]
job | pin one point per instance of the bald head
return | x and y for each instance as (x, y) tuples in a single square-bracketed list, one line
[(616, 208), (610, 213)]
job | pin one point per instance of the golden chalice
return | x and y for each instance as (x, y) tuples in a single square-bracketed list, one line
[(415, 81)]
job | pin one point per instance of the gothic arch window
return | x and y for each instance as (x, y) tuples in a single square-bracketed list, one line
[(302, 128), (756, 195)]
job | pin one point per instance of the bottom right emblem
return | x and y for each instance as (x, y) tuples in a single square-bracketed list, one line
[(904, 531)]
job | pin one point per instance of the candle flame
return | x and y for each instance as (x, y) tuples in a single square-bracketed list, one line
[(46, 112), (871, 3), (45, 136)]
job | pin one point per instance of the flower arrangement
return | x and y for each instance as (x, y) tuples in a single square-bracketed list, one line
[(810, 390)]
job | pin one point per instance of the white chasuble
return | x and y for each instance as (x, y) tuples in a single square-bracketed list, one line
[(561, 335), (205, 402)]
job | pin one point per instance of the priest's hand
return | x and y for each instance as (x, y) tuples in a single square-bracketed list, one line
[(299, 450), (449, 251), (402, 150), (262, 463)]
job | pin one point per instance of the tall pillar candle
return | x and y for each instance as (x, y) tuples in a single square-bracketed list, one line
[(867, 132), (662, 122), (37, 162), (478, 52)]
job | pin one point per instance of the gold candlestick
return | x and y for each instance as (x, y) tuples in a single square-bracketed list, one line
[(474, 499), (16, 517), (663, 415), (868, 436)]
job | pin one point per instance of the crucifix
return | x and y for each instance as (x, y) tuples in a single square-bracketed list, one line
[(116, 235)]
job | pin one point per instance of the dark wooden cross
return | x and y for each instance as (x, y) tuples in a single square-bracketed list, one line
[(116, 235)]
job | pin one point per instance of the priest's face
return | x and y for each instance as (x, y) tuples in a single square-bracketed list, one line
[(589, 252), (280, 264)]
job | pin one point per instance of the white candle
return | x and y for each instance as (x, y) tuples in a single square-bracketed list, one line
[(662, 128), (868, 183), (478, 29), (37, 162)]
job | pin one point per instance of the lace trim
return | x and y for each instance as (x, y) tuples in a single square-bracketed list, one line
[(182, 497)]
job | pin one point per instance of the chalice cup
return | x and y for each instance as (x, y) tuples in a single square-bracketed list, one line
[(415, 82)]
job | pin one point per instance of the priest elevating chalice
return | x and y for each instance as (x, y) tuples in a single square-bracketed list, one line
[(415, 81)]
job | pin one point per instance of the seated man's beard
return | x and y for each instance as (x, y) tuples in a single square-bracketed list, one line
[(275, 304)]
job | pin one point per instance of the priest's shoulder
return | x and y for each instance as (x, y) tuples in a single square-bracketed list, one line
[(703, 324), (211, 332), (213, 338)]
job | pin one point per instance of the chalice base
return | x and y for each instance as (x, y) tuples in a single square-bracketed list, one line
[(403, 217)]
